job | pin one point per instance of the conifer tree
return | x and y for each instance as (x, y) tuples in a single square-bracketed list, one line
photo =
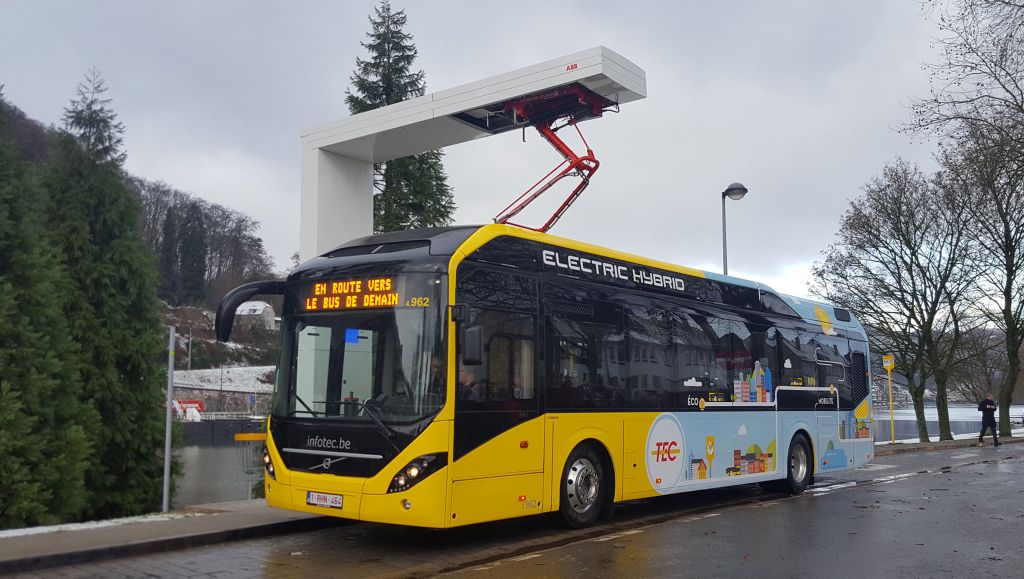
[(44, 447), (110, 305), (413, 191), (192, 259), (167, 259), (93, 123)]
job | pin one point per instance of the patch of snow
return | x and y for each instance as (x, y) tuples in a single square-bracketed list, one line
[(94, 524), (234, 379)]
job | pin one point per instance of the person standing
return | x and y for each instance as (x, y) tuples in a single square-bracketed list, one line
[(987, 407)]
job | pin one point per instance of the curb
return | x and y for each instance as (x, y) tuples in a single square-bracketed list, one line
[(891, 449), (164, 544)]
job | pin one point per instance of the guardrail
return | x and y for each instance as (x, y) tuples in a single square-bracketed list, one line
[(231, 416)]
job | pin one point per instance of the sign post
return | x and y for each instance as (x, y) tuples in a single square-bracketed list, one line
[(889, 362), (167, 425)]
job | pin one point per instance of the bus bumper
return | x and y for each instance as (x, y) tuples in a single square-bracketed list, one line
[(425, 504)]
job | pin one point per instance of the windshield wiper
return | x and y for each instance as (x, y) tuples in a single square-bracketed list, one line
[(387, 430)]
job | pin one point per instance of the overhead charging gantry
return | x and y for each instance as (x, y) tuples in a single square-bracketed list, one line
[(338, 158), (548, 113)]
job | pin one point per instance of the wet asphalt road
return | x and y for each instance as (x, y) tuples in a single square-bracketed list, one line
[(949, 514), (938, 514)]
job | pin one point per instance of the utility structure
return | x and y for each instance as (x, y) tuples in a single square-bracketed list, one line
[(338, 158)]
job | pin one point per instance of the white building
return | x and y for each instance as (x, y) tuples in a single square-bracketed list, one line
[(255, 314)]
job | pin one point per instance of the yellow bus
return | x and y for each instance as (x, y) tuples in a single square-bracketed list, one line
[(451, 376)]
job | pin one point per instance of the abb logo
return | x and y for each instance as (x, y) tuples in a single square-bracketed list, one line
[(665, 451), (569, 67)]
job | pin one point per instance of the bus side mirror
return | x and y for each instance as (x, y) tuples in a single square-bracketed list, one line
[(473, 346), (238, 296)]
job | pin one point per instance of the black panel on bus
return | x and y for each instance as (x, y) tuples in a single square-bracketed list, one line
[(531, 255)]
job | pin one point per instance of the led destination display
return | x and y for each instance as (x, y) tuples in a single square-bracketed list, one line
[(356, 294)]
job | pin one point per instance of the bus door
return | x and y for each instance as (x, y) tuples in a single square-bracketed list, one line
[(496, 398)]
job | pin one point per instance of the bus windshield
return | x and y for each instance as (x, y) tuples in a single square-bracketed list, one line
[(377, 361)]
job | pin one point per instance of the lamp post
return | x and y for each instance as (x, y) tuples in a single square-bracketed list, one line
[(735, 191)]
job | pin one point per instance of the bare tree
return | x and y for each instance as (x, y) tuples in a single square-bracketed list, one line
[(977, 80), (983, 365), (989, 167), (950, 271), (900, 263)]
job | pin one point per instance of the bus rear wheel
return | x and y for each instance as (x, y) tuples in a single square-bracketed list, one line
[(583, 487), (798, 469)]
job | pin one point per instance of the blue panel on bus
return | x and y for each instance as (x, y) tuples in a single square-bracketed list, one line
[(351, 335)]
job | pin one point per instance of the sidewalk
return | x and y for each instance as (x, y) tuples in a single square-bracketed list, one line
[(960, 441), (23, 550)]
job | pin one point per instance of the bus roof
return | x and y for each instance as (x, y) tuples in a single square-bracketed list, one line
[(445, 241)]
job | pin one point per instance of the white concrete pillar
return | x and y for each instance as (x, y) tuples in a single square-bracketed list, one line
[(337, 200)]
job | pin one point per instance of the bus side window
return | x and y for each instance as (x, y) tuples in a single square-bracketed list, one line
[(832, 353), (510, 368), (508, 361), (769, 359), (722, 369), (649, 367), (798, 365), (694, 353), (585, 367)]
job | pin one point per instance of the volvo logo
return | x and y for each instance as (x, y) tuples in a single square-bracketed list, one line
[(326, 464)]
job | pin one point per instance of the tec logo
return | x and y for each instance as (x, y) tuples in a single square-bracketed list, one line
[(665, 450), (664, 453)]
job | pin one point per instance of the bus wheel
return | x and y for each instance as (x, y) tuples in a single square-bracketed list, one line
[(799, 465), (583, 487)]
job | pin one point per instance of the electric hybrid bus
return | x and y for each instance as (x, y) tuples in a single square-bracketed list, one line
[(451, 376)]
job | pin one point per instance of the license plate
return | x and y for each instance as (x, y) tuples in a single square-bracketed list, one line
[(324, 500)]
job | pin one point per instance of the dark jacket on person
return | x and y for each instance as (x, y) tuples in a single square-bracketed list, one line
[(988, 411)]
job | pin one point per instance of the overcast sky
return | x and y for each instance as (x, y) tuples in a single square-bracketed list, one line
[(797, 100)]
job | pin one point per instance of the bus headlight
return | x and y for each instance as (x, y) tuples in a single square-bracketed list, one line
[(418, 469), (268, 463)]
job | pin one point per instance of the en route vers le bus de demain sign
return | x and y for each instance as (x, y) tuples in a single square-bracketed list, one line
[(353, 294)]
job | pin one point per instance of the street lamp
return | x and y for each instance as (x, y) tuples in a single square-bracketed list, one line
[(735, 191)]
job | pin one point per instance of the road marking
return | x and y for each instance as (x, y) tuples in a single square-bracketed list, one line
[(616, 536), (964, 455), (525, 557), (893, 478), (875, 466), (829, 488)]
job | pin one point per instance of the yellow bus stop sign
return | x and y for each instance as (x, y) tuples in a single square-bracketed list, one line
[(888, 362)]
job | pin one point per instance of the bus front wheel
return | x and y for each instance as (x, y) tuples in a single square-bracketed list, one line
[(583, 487)]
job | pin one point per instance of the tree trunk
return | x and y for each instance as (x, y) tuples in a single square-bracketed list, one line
[(942, 406), (1006, 393), (917, 394)]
